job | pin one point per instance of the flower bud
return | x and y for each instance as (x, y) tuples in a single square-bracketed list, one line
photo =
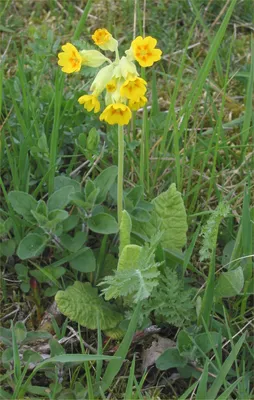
[(101, 79), (125, 68), (92, 58)]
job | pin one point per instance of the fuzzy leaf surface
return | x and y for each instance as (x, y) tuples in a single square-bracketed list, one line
[(22, 203), (81, 303), (137, 273), (125, 230), (168, 216)]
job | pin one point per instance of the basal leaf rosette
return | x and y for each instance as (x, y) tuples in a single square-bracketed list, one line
[(124, 89), (81, 303)]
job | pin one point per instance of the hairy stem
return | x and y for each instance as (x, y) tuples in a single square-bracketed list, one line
[(120, 173)]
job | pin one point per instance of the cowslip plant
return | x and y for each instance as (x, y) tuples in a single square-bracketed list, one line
[(161, 223), (125, 90)]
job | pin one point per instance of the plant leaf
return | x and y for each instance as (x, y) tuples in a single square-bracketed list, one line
[(46, 274), (103, 223), (73, 244), (168, 216), (81, 303), (84, 262), (171, 358), (230, 283), (129, 258), (61, 181), (7, 247), (23, 203), (60, 198), (104, 181), (31, 245), (125, 230)]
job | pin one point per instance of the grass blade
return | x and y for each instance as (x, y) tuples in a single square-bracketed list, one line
[(202, 387), (82, 21), (249, 114), (87, 369), (226, 394), (214, 390), (115, 365), (65, 358), (16, 359), (128, 391)]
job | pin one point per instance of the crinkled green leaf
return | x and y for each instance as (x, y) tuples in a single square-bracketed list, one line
[(168, 216), (129, 258), (210, 230), (125, 230), (230, 283), (81, 303)]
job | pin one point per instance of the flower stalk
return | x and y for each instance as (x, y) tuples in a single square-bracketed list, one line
[(120, 173)]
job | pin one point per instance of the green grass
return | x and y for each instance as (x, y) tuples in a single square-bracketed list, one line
[(196, 131)]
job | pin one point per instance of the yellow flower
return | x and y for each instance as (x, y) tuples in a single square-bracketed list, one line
[(92, 58), (70, 59), (133, 88), (117, 113), (111, 86), (136, 104), (144, 51), (90, 102), (104, 40)]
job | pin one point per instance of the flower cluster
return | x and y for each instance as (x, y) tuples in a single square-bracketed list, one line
[(125, 90)]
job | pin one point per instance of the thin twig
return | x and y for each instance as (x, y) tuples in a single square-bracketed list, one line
[(144, 18), (73, 173), (238, 333), (94, 164), (11, 313), (220, 13), (81, 12), (5, 51), (134, 19), (88, 346)]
